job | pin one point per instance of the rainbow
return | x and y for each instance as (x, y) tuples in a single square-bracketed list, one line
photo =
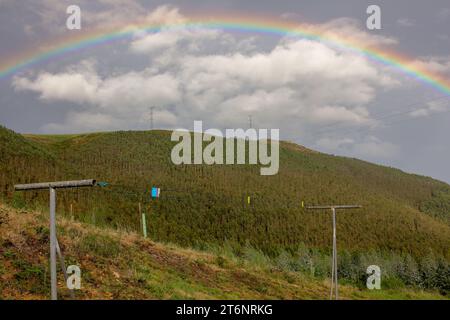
[(386, 57)]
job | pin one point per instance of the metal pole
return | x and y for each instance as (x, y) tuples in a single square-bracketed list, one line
[(54, 295), (54, 246), (334, 268), (56, 185), (332, 276), (335, 253)]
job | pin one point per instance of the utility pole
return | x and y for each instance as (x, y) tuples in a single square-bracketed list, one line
[(54, 245), (334, 272), (250, 122)]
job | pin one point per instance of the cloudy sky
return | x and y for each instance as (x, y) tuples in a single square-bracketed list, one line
[(318, 95)]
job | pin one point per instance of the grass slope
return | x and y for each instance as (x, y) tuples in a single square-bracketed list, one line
[(402, 213), (122, 265)]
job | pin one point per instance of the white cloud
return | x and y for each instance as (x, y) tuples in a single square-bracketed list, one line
[(169, 37), (296, 84), (129, 90), (300, 80), (288, 63), (164, 15), (73, 87), (155, 41)]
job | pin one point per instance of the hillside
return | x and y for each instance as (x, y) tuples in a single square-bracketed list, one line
[(121, 265), (405, 217)]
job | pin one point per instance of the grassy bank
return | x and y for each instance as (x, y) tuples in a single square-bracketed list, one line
[(121, 265)]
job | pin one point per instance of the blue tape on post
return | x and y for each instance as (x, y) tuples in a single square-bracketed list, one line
[(155, 192), (102, 184)]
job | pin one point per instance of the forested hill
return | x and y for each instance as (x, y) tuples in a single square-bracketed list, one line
[(402, 213)]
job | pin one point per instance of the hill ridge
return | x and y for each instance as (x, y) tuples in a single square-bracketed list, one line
[(210, 200)]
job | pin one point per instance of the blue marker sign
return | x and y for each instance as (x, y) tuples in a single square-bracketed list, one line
[(102, 184), (155, 192)]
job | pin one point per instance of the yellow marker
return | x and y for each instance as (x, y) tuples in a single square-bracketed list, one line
[(248, 200), (303, 204)]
